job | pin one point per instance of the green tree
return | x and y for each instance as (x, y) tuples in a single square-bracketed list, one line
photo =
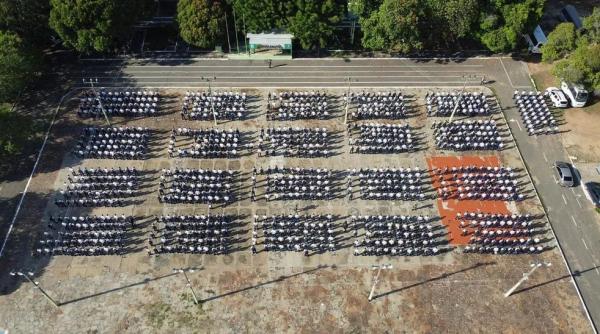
[(591, 26), (503, 22), (581, 66), (394, 27), (447, 21), (28, 18), (313, 23), (15, 131), (95, 25), (263, 15), (364, 8), (18, 65), (561, 41), (201, 22)]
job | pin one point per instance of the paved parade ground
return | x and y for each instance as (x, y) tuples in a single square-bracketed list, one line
[(286, 291)]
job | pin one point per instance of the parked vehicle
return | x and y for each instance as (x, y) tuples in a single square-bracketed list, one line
[(593, 189), (536, 40), (565, 174), (576, 94), (570, 14), (558, 98)]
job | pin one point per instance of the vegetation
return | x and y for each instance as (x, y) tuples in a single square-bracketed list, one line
[(313, 23), (575, 54), (201, 22), (95, 25)]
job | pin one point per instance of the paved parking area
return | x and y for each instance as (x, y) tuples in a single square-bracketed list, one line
[(273, 291)]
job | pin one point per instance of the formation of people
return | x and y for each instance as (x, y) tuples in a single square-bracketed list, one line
[(294, 105), (118, 103), (127, 143), (395, 236), (465, 104), (193, 186), (404, 184), (94, 187), (193, 234), (206, 143), (478, 183), (498, 233), (295, 233), (206, 106), (86, 235), (536, 115), (298, 183), (381, 138), (467, 135), (377, 105), (297, 142)]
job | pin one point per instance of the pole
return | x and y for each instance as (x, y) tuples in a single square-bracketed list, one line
[(212, 103), (525, 277), (347, 102), (237, 42), (227, 30), (245, 35), (189, 283), (462, 92), (19, 273), (91, 82), (375, 284)]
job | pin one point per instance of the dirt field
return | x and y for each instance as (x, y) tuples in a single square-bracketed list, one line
[(275, 292)]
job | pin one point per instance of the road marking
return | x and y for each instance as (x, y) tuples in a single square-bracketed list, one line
[(282, 84), (578, 202), (574, 222), (584, 244), (555, 179), (545, 158), (138, 77), (505, 71), (294, 66), (597, 272), (127, 71), (564, 198), (37, 161)]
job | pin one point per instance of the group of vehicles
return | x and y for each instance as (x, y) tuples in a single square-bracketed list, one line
[(567, 177), (568, 94)]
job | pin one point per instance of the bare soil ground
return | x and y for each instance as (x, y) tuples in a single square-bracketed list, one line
[(273, 292)]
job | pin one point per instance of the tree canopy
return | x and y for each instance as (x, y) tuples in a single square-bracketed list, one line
[(394, 27), (27, 18), (313, 23), (262, 15), (502, 22), (591, 26), (17, 65), (95, 25), (560, 42), (201, 22)]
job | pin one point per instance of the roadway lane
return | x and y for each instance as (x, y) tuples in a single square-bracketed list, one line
[(569, 212), (296, 73)]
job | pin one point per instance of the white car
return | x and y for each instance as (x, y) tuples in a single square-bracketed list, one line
[(558, 97)]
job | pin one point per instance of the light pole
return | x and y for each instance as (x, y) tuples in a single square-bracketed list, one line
[(212, 102), (188, 282), (379, 269), (462, 92), (91, 82), (526, 275), (348, 79), (28, 276)]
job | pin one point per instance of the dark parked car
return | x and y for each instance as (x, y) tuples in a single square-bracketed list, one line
[(593, 189), (565, 173)]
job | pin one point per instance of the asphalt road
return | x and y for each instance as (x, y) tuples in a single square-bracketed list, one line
[(571, 215)]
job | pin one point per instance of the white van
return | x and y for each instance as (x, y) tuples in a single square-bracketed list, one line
[(576, 94)]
